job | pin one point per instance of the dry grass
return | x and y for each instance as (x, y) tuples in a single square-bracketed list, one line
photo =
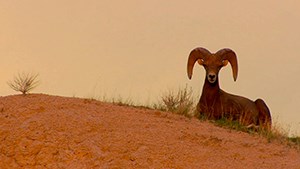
[(276, 134), (179, 102)]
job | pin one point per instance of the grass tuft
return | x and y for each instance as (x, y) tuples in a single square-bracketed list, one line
[(180, 102), (295, 140), (231, 125)]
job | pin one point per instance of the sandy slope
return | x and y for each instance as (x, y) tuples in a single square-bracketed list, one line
[(41, 131)]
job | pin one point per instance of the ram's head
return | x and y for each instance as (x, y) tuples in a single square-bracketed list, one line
[(212, 62)]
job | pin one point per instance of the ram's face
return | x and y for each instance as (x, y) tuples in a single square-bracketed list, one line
[(212, 65)]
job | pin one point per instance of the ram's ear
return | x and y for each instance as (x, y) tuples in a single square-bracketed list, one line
[(225, 62), (200, 61), (228, 54)]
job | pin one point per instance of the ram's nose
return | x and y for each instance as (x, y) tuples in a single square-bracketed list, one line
[(212, 77)]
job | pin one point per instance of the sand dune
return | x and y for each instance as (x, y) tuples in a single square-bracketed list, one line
[(42, 131)]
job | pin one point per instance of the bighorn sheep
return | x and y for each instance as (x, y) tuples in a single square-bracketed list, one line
[(216, 103)]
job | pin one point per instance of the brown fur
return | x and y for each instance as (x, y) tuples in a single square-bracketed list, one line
[(215, 103)]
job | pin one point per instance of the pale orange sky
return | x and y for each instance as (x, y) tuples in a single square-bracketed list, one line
[(138, 49)]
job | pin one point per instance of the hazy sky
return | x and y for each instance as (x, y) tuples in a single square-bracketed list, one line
[(138, 49)]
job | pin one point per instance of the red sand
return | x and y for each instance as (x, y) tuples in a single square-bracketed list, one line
[(41, 131)]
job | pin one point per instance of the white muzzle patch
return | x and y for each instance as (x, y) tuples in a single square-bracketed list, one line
[(211, 77)]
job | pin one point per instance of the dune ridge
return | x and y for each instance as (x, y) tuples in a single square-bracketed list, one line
[(43, 131)]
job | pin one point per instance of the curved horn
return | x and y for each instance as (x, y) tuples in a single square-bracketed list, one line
[(228, 54), (197, 53)]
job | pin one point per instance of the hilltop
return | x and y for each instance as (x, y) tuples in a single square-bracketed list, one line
[(43, 131)]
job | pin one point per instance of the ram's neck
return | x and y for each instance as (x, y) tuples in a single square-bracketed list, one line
[(210, 92)]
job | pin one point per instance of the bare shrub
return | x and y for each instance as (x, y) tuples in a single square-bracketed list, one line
[(24, 82)]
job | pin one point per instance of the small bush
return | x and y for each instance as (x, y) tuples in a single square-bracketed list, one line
[(24, 83), (180, 102)]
